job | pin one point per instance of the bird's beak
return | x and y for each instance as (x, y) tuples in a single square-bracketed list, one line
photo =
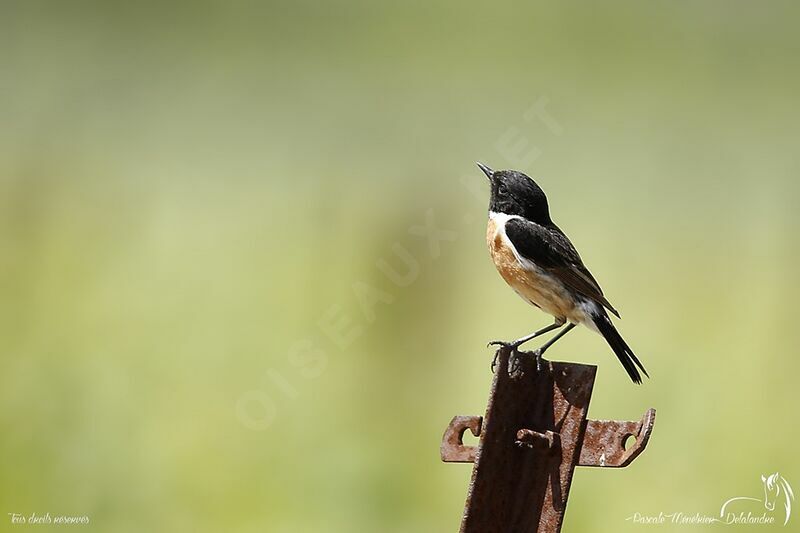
[(486, 170)]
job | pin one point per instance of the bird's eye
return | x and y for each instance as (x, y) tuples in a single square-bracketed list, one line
[(501, 188)]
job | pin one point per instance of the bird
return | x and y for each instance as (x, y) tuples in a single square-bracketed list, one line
[(540, 263)]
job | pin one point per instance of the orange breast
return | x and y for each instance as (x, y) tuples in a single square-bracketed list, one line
[(534, 287)]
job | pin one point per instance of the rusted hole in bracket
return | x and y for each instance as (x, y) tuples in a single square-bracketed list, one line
[(628, 441), (453, 449)]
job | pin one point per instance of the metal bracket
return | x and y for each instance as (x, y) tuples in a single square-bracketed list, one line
[(534, 434), (604, 441), (452, 449)]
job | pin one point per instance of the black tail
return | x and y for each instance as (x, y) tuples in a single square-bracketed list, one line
[(620, 347)]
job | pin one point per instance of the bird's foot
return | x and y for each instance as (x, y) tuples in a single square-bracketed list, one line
[(504, 344), (511, 346), (515, 356), (516, 361), (541, 362)]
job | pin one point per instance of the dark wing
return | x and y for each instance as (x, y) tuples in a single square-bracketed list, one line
[(551, 250)]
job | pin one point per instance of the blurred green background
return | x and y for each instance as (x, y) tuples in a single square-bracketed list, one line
[(201, 202)]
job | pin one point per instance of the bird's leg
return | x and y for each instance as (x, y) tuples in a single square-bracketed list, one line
[(540, 351), (514, 345), (519, 342)]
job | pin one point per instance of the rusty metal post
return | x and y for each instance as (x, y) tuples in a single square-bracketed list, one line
[(533, 435)]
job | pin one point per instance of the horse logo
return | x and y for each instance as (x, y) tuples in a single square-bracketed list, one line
[(776, 488)]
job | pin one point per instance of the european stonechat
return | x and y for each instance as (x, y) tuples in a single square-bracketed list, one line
[(540, 263)]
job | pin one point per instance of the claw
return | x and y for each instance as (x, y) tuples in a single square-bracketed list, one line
[(539, 359), (514, 356), (515, 360), (503, 344)]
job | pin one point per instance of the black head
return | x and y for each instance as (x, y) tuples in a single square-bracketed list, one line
[(514, 193)]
